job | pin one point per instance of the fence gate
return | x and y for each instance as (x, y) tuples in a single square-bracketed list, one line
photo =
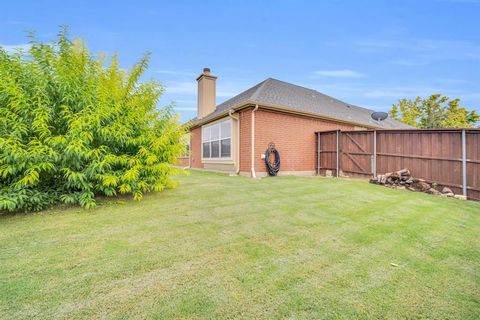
[(356, 151)]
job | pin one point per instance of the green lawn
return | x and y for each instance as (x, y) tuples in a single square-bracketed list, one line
[(234, 247)]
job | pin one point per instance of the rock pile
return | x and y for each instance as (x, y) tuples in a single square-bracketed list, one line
[(402, 179)]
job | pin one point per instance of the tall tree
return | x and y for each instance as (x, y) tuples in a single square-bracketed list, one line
[(72, 127), (436, 111)]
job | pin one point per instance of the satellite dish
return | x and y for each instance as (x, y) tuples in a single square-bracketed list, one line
[(379, 116)]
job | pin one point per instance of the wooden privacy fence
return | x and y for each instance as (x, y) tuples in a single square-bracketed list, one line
[(449, 157)]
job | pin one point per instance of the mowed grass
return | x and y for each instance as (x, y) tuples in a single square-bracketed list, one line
[(234, 247)]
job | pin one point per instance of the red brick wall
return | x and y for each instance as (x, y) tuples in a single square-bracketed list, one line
[(293, 136), (182, 162), (196, 148), (245, 117)]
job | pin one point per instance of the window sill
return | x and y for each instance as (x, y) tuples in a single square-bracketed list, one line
[(220, 161)]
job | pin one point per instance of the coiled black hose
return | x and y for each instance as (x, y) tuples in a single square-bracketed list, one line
[(274, 167)]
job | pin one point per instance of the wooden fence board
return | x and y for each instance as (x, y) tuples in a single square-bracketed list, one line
[(433, 155), (473, 164)]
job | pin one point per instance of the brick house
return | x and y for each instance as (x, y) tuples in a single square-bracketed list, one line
[(233, 136)]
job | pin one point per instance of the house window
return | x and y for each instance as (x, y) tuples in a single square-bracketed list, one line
[(216, 140)]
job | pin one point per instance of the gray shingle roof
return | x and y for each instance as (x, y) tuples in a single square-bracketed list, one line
[(272, 92)]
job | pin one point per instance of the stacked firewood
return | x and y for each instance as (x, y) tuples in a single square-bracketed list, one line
[(402, 179)]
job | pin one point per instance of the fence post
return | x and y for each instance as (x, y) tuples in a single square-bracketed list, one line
[(318, 153), (464, 162), (337, 154)]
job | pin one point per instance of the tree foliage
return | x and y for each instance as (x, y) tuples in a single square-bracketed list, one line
[(435, 112), (72, 127)]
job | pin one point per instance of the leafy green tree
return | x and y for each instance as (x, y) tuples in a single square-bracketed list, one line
[(435, 112), (72, 127)]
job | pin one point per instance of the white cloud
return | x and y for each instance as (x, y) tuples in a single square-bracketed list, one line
[(375, 91), (408, 62), (378, 91), (398, 92), (12, 48), (186, 101), (186, 87), (344, 73), (419, 49), (175, 73), (186, 108), (375, 45), (224, 89)]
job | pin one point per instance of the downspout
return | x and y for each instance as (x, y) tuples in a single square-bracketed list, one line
[(230, 113), (253, 142), (190, 151)]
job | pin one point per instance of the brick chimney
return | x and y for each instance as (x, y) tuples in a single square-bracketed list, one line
[(206, 93)]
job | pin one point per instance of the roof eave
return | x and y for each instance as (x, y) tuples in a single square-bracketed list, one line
[(280, 108), (314, 115)]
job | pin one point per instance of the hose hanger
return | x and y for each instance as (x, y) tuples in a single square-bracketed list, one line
[(272, 167)]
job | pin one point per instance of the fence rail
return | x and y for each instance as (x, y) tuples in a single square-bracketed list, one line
[(449, 157)]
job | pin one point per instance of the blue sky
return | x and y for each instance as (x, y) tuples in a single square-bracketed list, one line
[(368, 53)]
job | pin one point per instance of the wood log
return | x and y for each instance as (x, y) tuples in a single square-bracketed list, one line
[(433, 191), (420, 186), (448, 192), (403, 172), (402, 179)]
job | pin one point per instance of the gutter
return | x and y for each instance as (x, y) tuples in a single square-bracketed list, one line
[(230, 113), (253, 142)]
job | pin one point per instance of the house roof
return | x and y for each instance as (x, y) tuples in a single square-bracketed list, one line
[(283, 95)]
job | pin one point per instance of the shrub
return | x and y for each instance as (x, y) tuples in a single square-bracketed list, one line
[(72, 127)]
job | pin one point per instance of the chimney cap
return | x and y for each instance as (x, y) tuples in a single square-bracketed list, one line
[(206, 73)]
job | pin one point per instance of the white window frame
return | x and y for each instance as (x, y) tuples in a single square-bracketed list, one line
[(220, 138)]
